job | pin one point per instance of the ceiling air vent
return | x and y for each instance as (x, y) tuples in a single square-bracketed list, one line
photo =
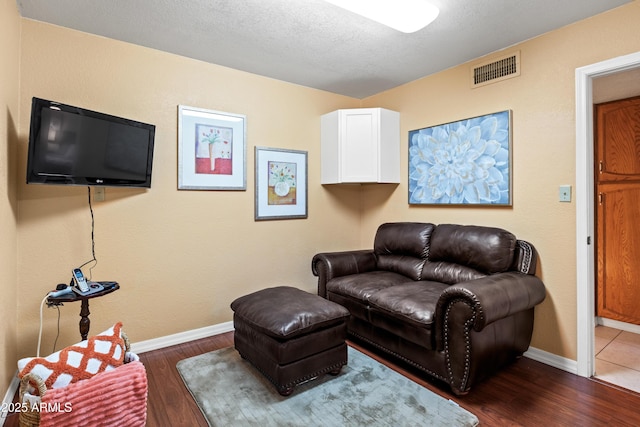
[(496, 70)]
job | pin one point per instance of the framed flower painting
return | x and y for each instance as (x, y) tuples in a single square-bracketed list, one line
[(281, 184), (211, 150), (467, 162)]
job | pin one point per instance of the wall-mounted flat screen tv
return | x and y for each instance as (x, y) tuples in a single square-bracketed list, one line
[(75, 146)]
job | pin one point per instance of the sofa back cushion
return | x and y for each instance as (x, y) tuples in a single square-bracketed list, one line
[(465, 252), (403, 247), (449, 272)]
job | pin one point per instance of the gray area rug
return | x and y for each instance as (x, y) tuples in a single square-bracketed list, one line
[(231, 392)]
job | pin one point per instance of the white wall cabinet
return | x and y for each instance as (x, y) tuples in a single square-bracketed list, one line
[(360, 145)]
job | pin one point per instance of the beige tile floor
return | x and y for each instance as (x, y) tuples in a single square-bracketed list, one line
[(618, 357)]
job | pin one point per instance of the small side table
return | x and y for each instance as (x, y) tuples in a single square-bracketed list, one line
[(84, 306)]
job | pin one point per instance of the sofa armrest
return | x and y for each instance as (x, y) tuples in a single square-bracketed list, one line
[(494, 297), (328, 265), (483, 323)]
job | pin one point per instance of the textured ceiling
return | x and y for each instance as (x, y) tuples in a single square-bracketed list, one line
[(313, 43)]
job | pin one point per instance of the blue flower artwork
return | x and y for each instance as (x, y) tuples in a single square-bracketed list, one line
[(462, 163)]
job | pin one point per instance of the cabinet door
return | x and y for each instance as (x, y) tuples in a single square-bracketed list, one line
[(618, 187), (618, 140), (618, 252), (359, 157)]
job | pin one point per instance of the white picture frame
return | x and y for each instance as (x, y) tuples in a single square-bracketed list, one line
[(281, 184), (212, 150)]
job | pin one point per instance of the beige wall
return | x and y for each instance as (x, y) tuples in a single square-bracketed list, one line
[(542, 101), (181, 257), (9, 115)]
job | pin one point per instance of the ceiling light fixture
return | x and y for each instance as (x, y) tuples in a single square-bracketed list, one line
[(407, 16)]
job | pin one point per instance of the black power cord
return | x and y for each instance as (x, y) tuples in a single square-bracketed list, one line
[(93, 241), (58, 332), (94, 260)]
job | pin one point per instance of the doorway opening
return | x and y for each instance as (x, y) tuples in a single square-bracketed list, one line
[(585, 231)]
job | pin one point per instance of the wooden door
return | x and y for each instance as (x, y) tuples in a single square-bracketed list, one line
[(618, 209)]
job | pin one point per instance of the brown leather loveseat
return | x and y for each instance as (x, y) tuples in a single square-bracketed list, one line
[(455, 301)]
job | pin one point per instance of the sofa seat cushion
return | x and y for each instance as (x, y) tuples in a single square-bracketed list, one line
[(361, 286), (353, 291), (407, 310), (412, 302)]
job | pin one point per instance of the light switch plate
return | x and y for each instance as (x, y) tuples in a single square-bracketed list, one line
[(565, 193)]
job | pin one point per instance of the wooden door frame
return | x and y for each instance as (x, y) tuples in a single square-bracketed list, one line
[(585, 205)]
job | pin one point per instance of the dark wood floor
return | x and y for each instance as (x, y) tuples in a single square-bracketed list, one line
[(527, 393)]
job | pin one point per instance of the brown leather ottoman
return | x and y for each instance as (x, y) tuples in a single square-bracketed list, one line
[(290, 335)]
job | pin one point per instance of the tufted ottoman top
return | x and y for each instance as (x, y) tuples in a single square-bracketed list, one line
[(285, 312)]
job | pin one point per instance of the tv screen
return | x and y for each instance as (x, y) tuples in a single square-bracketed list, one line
[(75, 146)]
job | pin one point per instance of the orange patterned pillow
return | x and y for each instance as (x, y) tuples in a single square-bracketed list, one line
[(81, 361)]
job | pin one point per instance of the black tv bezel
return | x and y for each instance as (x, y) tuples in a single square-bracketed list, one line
[(38, 104)]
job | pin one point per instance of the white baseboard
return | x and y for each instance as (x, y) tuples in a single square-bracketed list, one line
[(628, 327), (536, 354), (181, 337), (551, 359)]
